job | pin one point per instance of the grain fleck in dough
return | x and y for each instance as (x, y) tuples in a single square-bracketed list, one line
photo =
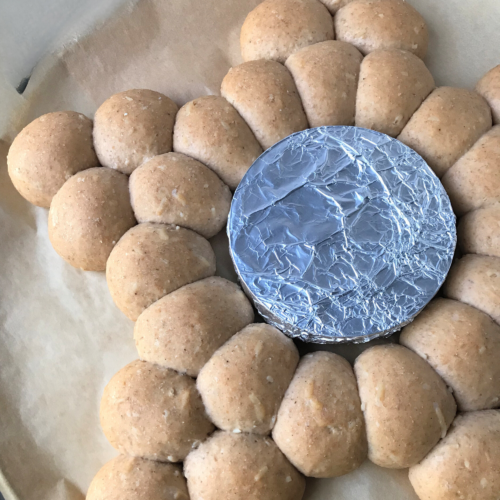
[(489, 88)]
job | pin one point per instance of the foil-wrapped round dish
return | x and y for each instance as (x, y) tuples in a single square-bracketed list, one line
[(341, 234)]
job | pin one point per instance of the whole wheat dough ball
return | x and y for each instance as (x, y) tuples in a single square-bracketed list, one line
[(326, 75), (382, 24), (446, 126), (88, 216), (152, 260), (131, 478), (393, 84), (465, 464), (132, 127), (243, 383), (463, 345), (334, 5), (153, 412), (241, 467), (320, 426), (264, 94), (47, 152), (489, 88), (183, 329), (210, 130), (407, 406)]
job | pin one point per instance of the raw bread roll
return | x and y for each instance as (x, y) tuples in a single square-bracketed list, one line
[(407, 406), (275, 29), (474, 181), (382, 24), (183, 329), (463, 345), (132, 127), (320, 426), (88, 216), (210, 130), (392, 85), (475, 280), (47, 152), (334, 5), (489, 88), (446, 126), (326, 75), (175, 189), (153, 412), (465, 464), (129, 478), (245, 380), (241, 467), (264, 94), (152, 260)]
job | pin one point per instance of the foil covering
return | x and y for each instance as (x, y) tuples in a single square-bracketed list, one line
[(341, 234)]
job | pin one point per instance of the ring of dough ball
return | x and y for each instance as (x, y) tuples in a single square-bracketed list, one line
[(489, 88)]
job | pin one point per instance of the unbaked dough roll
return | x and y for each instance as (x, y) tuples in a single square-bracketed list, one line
[(47, 152), (275, 29), (264, 94), (463, 345), (393, 84), (326, 75), (479, 231), (489, 88), (210, 130), (152, 260), (446, 126), (382, 24)]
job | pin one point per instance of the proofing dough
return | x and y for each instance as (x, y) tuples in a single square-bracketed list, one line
[(489, 88)]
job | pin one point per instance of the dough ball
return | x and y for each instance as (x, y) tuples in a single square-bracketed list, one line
[(326, 75), (474, 180), (382, 24), (241, 467), (152, 260), (130, 478), (175, 189), (320, 426), (275, 29), (47, 152), (465, 464), (153, 412), (132, 127), (334, 5), (489, 88), (264, 94), (446, 126), (88, 216), (210, 130), (463, 345), (392, 85), (407, 406), (183, 329), (243, 383)]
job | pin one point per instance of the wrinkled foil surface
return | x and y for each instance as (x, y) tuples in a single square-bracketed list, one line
[(341, 234)]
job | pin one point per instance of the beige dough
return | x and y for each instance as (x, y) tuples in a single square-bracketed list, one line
[(264, 94), (463, 345), (183, 329), (320, 426), (132, 127), (392, 85), (88, 216), (232, 466), (152, 260), (382, 24), (334, 5), (465, 464), (407, 406), (130, 478), (243, 383), (489, 88), (275, 29), (326, 75), (153, 412), (47, 152), (446, 126), (210, 130)]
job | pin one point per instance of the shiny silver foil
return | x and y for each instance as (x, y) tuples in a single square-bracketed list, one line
[(341, 234)]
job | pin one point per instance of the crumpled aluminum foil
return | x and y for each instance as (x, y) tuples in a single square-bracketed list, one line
[(341, 234)]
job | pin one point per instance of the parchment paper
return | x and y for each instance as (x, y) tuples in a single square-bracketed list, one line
[(61, 337)]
